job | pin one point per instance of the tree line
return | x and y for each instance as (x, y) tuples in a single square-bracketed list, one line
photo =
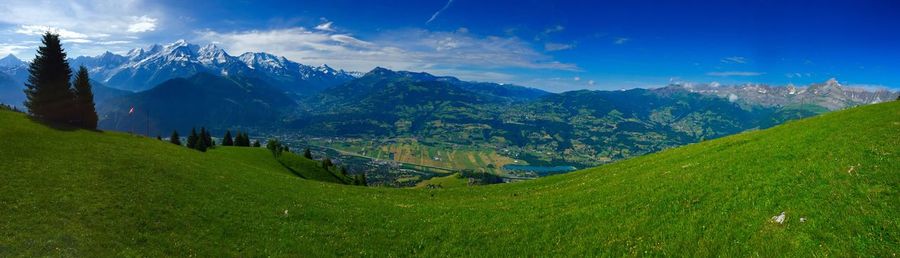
[(52, 95), (203, 140)]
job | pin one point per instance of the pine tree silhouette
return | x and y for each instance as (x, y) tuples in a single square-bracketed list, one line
[(192, 139), (84, 111), (175, 138), (48, 90)]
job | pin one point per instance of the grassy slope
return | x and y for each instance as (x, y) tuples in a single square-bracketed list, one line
[(450, 181), (309, 169), (86, 193)]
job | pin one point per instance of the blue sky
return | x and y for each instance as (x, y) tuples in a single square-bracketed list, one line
[(553, 45)]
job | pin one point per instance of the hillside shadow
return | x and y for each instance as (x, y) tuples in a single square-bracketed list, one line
[(60, 126), (292, 170)]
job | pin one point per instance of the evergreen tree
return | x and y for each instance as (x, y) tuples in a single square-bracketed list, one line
[(344, 170), (360, 180), (227, 141), (307, 154), (243, 140), (210, 140), (85, 113), (201, 146), (175, 139), (48, 91), (238, 139), (159, 137), (246, 139), (274, 146), (204, 141), (326, 163), (256, 144), (192, 139)]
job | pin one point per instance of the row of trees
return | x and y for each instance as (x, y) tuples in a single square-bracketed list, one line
[(51, 95), (200, 142), (241, 140), (203, 141)]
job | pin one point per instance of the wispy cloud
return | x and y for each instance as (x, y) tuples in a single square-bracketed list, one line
[(142, 24), (436, 14), (620, 41), (85, 26), (14, 49), (734, 73), (734, 60), (37, 30), (554, 29), (557, 46), (797, 75), (325, 26)]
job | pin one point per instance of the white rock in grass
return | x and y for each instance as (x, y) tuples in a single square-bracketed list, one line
[(802, 219), (779, 219)]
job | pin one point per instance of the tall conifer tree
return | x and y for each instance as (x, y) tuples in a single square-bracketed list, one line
[(175, 138), (192, 139), (227, 141), (49, 89), (85, 114)]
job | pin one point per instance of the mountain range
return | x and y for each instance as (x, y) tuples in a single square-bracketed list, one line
[(830, 95), (143, 68)]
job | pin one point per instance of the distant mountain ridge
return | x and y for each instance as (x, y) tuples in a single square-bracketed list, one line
[(143, 68), (830, 94), (203, 99)]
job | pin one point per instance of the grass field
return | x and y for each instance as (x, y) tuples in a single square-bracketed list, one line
[(82, 193), (450, 181), (433, 155)]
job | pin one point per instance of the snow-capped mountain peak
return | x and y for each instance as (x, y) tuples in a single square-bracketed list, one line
[(829, 94), (144, 68), (212, 54), (262, 60)]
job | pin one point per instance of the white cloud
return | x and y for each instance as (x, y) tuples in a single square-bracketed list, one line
[(556, 46), (89, 26), (554, 29), (38, 30), (114, 42), (797, 75), (350, 40), (325, 26), (734, 73), (142, 24), (436, 14), (734, 60), (6, 49), (409, 49), (732, 97), (620, 41), (592, 82), (577, 78)]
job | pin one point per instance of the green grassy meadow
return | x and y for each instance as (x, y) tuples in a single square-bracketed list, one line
[(85, 193)]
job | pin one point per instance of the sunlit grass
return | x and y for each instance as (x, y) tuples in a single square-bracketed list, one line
[(86, 193)]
